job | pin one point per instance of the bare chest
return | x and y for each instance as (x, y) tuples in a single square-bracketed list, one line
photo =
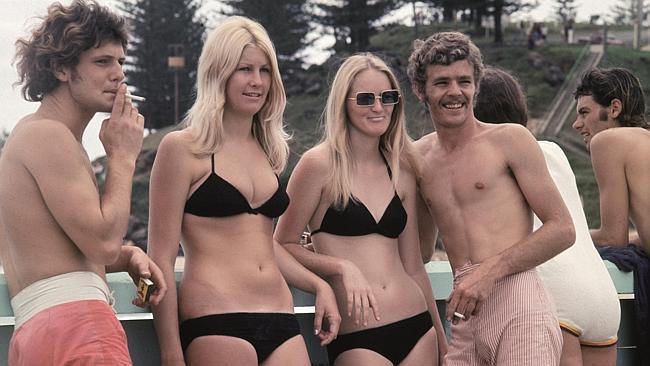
[(453, 181)]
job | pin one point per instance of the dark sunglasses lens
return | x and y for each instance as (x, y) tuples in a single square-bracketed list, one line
[(365, 98), (389, 97)]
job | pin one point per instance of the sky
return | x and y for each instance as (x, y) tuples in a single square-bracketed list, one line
[(16, 16)]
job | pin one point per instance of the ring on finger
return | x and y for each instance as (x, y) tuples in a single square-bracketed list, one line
[(459, 315)]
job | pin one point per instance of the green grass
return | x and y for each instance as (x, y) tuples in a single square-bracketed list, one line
[(518, 61), (636, 61)]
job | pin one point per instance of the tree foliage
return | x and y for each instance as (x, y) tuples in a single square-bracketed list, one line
[(565, 10), (478, 9), (286, 21), (498, 8), (624, 12), (352, 22), (155, 25)]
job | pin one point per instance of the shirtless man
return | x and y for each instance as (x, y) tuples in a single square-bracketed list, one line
[(611, 119), (60, 235), (480, 182), (577, 280)]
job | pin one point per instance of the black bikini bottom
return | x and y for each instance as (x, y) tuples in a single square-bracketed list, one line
[(393, 341), (264, 331)]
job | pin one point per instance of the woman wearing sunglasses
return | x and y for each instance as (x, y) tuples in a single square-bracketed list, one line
[(214, 188), (356, 191)]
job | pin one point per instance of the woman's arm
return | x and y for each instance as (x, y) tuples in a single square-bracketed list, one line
[(168, 189), (305, 188), (298, 276)]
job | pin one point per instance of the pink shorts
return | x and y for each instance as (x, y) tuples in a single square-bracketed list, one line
[(77, 333), (515, 326)]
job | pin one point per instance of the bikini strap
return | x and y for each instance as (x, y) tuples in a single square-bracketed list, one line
[(212, 159), (390, 173)]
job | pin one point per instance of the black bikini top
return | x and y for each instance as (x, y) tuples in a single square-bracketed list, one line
[(216, 197), (356, 220)]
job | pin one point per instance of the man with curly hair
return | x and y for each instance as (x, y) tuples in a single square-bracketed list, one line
[(60, 236), (480, 183)]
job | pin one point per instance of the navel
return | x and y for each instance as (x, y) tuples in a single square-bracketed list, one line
[(479, 185)]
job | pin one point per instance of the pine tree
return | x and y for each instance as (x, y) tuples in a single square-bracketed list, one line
[(566, 11), (351, 21), (156, 26), (286, 21), (483, 8), (625, 11), (507, 7)]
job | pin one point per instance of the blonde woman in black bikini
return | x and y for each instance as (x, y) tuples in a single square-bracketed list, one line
[(357, 194), (214, 188)]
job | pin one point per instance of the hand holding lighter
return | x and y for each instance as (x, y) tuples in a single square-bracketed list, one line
[(145, 289)]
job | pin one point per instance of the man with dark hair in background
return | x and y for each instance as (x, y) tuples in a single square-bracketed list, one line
[(611, 120)]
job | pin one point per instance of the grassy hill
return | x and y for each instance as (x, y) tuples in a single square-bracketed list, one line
[(532, 68)]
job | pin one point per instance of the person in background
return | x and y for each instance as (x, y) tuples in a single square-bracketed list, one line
[(582, 291), (481, 184), (215, 189), (536, 36), (357, 193), (611, 119), (59, 234)]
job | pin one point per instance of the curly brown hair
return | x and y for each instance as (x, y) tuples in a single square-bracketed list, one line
[(443, 48), (59, 40)]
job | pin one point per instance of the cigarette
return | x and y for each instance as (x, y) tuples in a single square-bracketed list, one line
[(136, 97), (459, 315)]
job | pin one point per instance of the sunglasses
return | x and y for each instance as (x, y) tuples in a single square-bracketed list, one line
[(367, 99)]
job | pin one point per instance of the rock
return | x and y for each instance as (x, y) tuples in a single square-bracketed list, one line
[(554, 75), (552, 72)]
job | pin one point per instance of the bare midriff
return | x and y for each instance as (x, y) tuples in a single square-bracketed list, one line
[(230, 267)]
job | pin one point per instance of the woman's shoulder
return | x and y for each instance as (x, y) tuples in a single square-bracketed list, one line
[(316, 158), (180, 140), (176, 145)]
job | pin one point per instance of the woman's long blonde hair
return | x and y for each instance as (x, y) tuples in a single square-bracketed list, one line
[(393, 144), (219, 59)]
